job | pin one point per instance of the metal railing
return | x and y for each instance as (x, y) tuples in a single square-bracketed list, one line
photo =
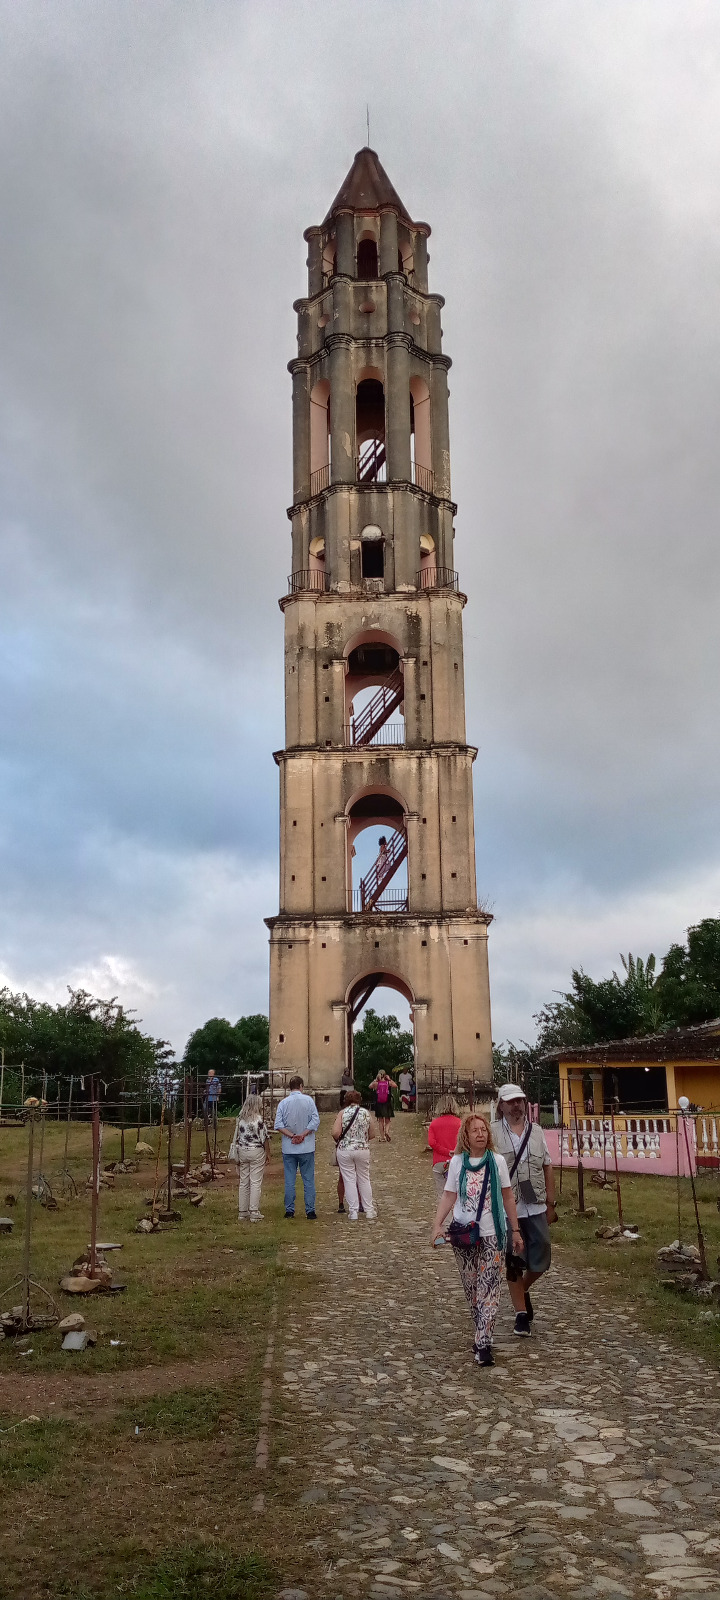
[(393, 901), (436, 578), (387, 699), (320, 479), (423, 477), (389, 733), (301, 582)]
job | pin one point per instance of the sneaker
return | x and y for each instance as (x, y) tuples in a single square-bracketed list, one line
[(353, 1216), (311, 1216), (290, 1215), (243, 1216), (522, 1325), (256, 1216), (484, 1356), (528, 1307)]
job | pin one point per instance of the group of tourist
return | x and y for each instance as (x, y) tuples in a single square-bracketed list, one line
[(494, 1181)]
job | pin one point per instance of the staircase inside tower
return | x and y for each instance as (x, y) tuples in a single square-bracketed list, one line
[(371, 462), (372, 887), (389, 696)]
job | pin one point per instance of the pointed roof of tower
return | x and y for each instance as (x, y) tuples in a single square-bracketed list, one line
[(367, 187)]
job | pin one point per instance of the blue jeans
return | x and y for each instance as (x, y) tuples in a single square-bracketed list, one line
[(306, 1164)]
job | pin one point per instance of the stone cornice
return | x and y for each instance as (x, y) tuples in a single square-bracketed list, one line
[(358, 753), (367, 919), (435, 358), (438, 500)]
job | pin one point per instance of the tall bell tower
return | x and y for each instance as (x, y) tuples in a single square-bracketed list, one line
[(374, 681)]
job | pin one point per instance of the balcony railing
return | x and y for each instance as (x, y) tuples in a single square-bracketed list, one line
[(302, 582), (423, 477), (391, 900), (436, 578), (320, 479), (389, 733)]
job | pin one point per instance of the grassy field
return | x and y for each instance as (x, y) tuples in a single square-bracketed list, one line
[(138, 1479), (628, 1271)]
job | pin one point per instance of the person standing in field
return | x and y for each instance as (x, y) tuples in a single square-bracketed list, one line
[(478, 1193), (382, 1088), (296, 1119), (213, 1091), (352, 1131), (524, 1146), (249, 1149)]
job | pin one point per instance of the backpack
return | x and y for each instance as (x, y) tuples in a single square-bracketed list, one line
[(383, 1091)]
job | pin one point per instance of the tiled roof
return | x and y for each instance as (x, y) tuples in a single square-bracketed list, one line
[(679, 1044), (367, 187)]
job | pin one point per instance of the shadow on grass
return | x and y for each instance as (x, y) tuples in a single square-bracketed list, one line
[(191, 1571)]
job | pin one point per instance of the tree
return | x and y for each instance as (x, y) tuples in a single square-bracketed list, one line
[(82, 1037), (229, 1048), (379, 1043), (688, 987)]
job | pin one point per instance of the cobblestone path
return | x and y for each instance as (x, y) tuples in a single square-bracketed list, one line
[(585, 1464)]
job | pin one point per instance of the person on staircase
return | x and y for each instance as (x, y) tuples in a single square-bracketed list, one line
[(524, 1146), (382, 1088), (478, 1193)]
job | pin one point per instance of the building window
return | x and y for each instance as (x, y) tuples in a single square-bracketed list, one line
[(367, 259)]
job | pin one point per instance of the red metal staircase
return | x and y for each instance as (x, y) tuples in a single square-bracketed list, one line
[(390, 695), (382, 870)]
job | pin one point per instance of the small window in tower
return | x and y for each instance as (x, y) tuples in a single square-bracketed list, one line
[(434, 1036), (423, 874), (373, 558), (281, 1038), (325, 946), (327, 1038), (424, 663), (466, 941), (367, 259), (294, 823), (377, 944), (423, 941), (425, 819), (453, 874), (327, 702), (477, 1036), (292, 880), (422, 697), (324, 879), (454, 819)]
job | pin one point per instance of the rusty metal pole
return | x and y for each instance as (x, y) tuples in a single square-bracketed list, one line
[(171, 1118), (562, 1134), (700, 1236), (122, 1125), (617, 1173), (187, 1101), (95, 1177), (580, 1169), (28, 1219)]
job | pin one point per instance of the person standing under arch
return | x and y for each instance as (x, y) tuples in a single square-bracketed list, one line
[(382, 1088)]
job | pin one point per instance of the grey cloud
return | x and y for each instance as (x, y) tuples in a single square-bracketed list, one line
[(158, 165)]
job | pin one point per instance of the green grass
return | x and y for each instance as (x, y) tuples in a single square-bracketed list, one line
[(629, 1271), (190, 1413), (192, 1571), (33, 1450)]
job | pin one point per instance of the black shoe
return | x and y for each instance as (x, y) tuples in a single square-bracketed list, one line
[(311, 1216), (484, 1357), (528, 1307), (341, 1208), (291, 1215), (522, 1325)]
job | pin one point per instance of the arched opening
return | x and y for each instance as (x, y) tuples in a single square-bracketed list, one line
[(370, 429), (420, 435), (378, 847), (317, 555), (372, 553), (319, 436), (367, 258), (374, 694), (329, 260), (379, 1006), (428, 561)]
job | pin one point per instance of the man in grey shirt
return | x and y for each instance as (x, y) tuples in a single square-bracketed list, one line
[(296, 1119)]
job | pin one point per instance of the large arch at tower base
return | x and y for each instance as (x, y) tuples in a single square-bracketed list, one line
[(317, 969)]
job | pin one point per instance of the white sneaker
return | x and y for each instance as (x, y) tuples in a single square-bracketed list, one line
[(243, 1216), (371, 1216), (256, 1216), (353, 1217)]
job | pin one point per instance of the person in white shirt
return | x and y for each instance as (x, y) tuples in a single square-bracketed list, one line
[(296, 1119), (478, 1192), (524, 1146)]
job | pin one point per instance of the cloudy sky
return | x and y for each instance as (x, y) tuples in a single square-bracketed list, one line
[(158, 163)]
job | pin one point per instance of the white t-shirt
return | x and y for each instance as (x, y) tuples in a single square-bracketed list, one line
[(466, 1211), (524, 1208)]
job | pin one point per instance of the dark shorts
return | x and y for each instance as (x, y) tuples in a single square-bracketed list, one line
[(536, 1233)]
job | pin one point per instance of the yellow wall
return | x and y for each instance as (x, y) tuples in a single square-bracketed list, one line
[(699, 1080)]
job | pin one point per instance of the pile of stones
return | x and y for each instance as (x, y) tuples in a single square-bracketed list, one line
[(680, 1268)]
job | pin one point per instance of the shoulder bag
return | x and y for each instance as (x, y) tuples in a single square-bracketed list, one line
[(467, 1234), (346, 1129)]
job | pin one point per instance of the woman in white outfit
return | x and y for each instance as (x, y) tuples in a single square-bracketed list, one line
[(249, 1150), (352, 1131)]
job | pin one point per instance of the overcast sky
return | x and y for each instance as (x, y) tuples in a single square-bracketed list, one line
[(158, 164)]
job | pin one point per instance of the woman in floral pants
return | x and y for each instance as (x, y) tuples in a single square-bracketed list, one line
[(478, 1191)]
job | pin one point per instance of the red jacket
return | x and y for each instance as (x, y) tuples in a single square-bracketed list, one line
[(442, 1137)]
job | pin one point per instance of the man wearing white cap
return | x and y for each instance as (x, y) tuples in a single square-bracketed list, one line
[(524, 1146)]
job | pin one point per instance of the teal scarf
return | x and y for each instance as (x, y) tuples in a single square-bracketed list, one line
[(496, 1199)]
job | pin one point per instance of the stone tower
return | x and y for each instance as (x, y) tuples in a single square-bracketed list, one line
[(374, 683)]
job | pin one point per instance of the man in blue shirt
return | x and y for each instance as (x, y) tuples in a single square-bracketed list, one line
[(297, 1118)]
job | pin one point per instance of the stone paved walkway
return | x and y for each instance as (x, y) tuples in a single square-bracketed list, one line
[(585, 1464)]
